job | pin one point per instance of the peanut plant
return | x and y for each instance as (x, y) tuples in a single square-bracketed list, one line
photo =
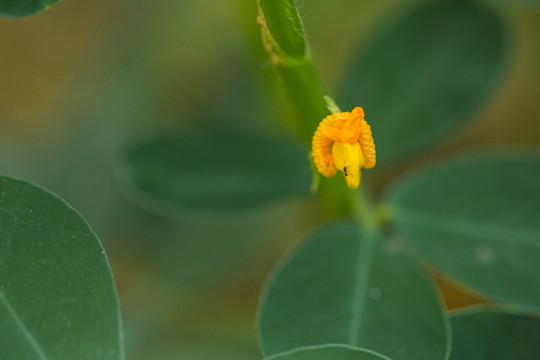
[(362, 284)]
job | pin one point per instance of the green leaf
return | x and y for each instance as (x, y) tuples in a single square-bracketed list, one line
[(328, 352), (18, 8), (215, 172), (517, 3), (57, 295), (490, 333), (477, 219), (424, 77), (346, 285), (282, 27)]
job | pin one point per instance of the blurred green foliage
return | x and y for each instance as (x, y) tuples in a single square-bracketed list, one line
[(219, 173), (83, 80), (494, 333), (423, 79), (482, 211), (17, 8)]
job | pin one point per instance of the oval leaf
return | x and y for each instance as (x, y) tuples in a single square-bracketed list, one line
[(328, 352), (349, 286), (494, 334), (18, 8), (477, 219), (57, 295), (283, 25), (215, 172), (424, 77)]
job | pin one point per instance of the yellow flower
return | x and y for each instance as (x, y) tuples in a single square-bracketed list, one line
[(343, 141)]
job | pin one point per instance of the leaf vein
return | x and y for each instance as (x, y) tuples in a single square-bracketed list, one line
[(362, 272), (469, 227), (24, 330)]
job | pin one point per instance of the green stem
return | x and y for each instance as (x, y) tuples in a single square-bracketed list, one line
[(284, 39), (304, 95), (283, 36)]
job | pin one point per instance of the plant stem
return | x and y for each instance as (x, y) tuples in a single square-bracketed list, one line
[(365, 212), (283, 36), (284, 40)]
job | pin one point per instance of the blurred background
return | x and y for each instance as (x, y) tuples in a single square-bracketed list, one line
[(83, 80)]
